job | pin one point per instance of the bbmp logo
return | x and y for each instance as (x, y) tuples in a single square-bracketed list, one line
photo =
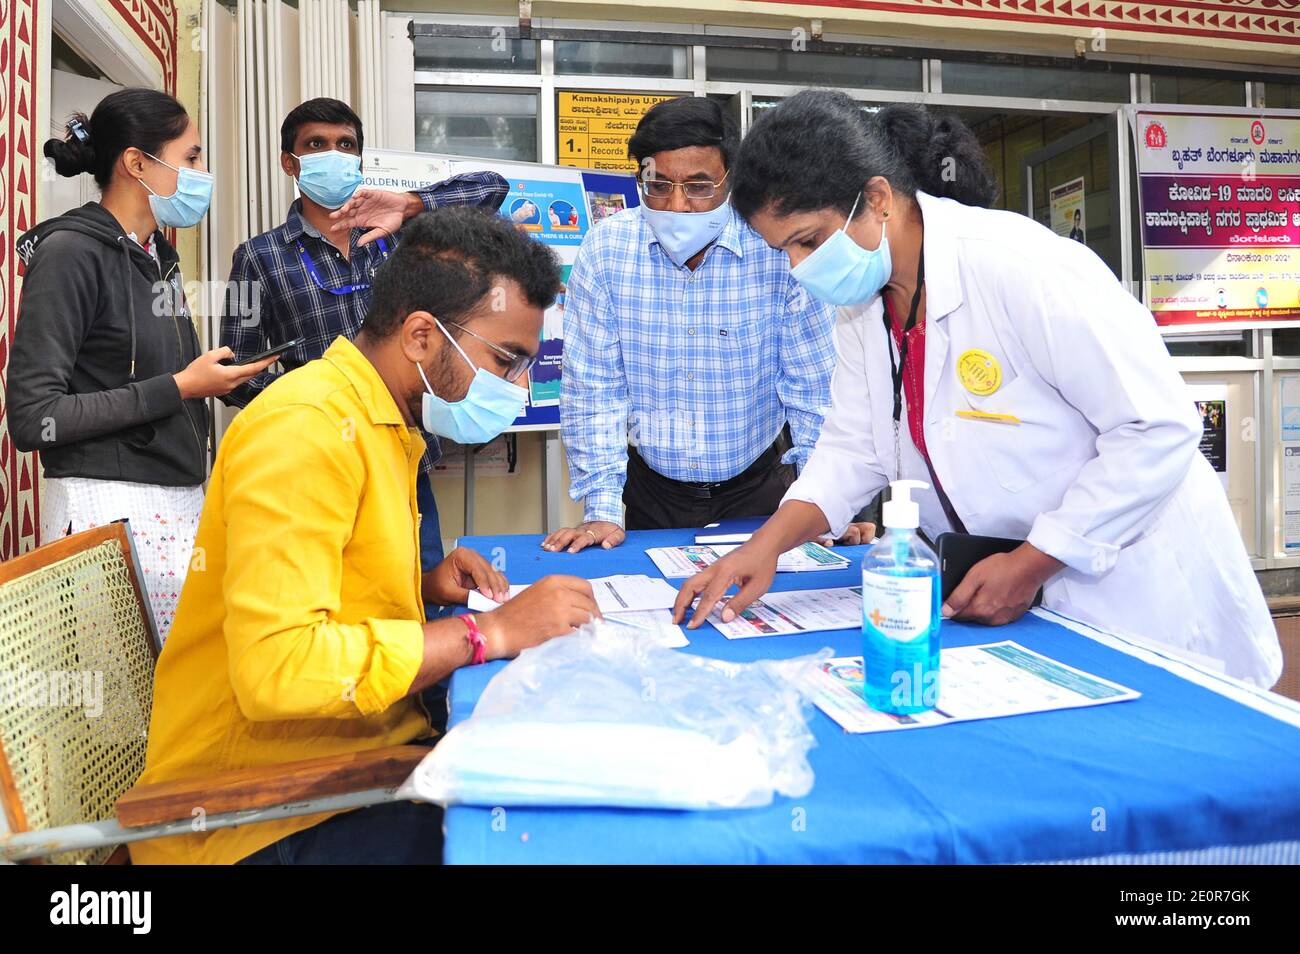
[(1257, 133), (1155, 135)]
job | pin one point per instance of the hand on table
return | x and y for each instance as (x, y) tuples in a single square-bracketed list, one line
[(463, 570), (553, 606), (856, 533), (749, 567), (573, 539), (999, 588)]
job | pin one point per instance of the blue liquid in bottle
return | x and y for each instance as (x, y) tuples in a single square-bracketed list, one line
[(901, 613)]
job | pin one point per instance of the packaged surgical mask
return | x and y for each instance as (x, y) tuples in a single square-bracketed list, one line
[(842, 272), (188, 204), (489, 406), (569, 722), (329, 178)]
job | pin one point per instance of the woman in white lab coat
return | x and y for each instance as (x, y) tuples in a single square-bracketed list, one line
[(1032, 392)]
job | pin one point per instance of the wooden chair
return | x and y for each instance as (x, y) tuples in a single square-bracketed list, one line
[(77, 653)]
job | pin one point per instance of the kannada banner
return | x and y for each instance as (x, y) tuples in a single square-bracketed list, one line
[(1220, 215)]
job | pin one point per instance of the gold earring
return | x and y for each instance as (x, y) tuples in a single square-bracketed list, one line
[(886, 213)]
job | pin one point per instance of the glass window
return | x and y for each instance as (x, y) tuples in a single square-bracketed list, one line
[(1278, 95), (1286, 342), (1198, 90), (814, 69), (585, 57), (761, 103), (1219, 345), (471, 122), (475, 54), (1035, 82)]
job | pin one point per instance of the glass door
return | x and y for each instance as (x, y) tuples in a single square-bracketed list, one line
[(1072, 187)]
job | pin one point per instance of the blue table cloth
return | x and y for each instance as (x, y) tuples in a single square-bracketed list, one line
[(1181, 769)]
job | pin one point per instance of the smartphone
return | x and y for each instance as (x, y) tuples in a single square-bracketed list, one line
[(278, 349), (958, 552)]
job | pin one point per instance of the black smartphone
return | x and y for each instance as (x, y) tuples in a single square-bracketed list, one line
[(278, 349), (958, 552)]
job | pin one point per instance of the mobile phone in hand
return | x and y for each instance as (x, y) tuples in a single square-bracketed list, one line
[(278, 349)]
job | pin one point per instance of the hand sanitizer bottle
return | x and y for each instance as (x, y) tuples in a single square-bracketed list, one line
[(900, 611)]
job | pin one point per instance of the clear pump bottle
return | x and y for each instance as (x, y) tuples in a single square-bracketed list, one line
[(900, 611)]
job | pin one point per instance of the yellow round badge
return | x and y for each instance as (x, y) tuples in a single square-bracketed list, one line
[(979, 372)]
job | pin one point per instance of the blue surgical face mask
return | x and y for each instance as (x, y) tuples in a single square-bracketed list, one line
[(188, 204), (329, 178), (683, 234), (489, 406), (842, 272)]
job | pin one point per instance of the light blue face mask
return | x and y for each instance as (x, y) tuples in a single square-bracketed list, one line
[(842, 272), (489, 406), (188, 204), (329, 178), (683, 234)]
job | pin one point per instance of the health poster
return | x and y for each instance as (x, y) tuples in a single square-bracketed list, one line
[(1212, 405), (1220, 215), (551, 209), (555, 205), (1067, 211)]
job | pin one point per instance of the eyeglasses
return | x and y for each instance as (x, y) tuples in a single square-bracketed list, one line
[(693, 189), (519, 363)]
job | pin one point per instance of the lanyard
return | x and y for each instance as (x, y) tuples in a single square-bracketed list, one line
[(896, 370), (896, 373), (342, 289)]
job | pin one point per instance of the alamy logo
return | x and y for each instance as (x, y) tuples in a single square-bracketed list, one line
[(102, 907)]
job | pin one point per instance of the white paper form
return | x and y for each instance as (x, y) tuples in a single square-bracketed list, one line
[(677, 563), (975, 682), (640, 601), (794, 611)]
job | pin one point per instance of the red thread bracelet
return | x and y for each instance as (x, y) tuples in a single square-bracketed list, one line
[(476, 640)]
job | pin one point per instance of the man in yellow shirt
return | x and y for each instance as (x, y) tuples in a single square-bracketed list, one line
[(300, 631)]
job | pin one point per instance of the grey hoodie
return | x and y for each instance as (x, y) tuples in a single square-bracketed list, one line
[(101, 330)]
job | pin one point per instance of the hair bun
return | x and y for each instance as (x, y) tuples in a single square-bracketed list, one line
[(75, 154)]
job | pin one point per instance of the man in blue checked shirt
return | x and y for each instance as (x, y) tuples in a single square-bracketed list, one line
[(689, 352), (308, 280)]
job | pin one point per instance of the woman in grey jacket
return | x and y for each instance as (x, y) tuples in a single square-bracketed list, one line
[(106, 378)]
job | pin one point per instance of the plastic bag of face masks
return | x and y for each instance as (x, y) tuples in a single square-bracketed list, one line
[(607, 717)]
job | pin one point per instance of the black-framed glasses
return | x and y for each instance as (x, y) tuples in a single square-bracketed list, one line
[(692, 188), (519, 363)]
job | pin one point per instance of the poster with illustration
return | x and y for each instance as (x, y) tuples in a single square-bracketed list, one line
[(557, 205), (1067, 210)]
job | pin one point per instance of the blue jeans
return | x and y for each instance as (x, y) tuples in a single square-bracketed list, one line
[(395, 833), (431, 553)]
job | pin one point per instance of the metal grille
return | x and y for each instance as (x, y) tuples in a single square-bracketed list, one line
[(76, 687)]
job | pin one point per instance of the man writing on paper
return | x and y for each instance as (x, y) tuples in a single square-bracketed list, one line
[(303, 632), (688, 349)]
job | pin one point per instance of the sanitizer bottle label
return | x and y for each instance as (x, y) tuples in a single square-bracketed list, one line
[(899, 607)]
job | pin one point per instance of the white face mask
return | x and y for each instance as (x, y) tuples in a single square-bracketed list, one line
[(683, 234)]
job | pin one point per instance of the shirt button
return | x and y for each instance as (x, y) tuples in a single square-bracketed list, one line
[(690, 375), (690, 331), (695, 466)]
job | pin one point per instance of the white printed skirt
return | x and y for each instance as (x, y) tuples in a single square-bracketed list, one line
[(164, 521)]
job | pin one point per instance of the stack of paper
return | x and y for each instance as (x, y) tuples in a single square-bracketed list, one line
[(681, 562)]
